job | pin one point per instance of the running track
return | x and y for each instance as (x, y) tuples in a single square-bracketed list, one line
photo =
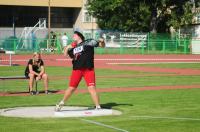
[(112, 61)]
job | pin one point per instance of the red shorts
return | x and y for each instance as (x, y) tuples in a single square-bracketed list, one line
[(76, 76)]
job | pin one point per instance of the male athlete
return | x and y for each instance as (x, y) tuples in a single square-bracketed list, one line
[(82, 53)]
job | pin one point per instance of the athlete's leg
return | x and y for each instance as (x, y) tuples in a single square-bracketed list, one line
[(46, 81), (31, 81), (89, 76), (94, 95), (73, 84), (68, 93)]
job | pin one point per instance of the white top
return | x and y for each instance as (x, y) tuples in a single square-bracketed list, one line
[(64, 40)]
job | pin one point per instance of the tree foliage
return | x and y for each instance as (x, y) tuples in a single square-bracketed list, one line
[(141, 15)]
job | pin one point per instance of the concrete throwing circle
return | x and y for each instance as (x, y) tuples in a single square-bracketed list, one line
[(48, 111)]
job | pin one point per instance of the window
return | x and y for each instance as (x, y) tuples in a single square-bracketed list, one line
[(87, 17)]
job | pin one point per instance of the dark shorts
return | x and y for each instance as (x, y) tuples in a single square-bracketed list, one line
[(27, 75)]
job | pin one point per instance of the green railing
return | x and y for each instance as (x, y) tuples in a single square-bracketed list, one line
[(152, 45), (29, 45)]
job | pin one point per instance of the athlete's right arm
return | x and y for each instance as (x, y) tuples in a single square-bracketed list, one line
[(66, 49)]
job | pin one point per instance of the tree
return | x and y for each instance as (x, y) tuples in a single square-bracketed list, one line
[(141, 15)]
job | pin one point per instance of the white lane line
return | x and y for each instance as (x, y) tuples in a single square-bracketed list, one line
[(104, 125), (149, 63), (145, 59), (14, 60), (112, 59), (164, 117)]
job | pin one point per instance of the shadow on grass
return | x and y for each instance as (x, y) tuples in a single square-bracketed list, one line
[(112, 104), (25, 92)]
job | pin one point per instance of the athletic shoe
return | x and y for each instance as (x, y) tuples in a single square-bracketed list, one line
[(98, 108), (47, 92), (32, 93), (59, 106)]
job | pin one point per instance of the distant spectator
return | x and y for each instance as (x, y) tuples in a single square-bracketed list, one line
[(64, 40), (53, 40)]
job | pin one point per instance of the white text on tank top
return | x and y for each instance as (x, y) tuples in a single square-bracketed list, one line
[(78, 50)]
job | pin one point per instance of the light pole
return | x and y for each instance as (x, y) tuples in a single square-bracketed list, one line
[(14, 32), (49, 20)]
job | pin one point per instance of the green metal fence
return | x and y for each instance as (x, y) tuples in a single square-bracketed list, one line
[(155, 44), (153, 47)]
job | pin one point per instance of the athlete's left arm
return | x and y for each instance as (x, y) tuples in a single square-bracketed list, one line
[(95, 43)]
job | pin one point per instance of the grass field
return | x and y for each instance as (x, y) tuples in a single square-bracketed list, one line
[(143, 111)]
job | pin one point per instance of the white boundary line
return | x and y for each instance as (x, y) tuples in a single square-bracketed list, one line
[(164, 117), (112, 59), (14, 60), (148, 63), (104, 125), (144, 59)]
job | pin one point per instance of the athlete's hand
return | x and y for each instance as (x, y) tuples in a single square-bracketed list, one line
[(101, 42), (38, 78), (66, 49)]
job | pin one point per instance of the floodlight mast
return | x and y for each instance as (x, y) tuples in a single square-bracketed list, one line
[(49, 19)]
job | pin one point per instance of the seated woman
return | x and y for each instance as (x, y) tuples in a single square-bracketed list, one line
[(35, 71)]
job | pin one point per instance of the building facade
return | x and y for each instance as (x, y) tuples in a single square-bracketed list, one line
[(64, 14)]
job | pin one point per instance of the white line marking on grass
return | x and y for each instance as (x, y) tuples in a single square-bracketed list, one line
[(104, 125), (164, 117)]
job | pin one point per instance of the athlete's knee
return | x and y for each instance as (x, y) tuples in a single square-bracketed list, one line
[(45, 76), (71, 89), (31, 76), (92, 89)]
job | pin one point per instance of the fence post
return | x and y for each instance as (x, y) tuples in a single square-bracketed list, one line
[(176, 46), (185, 47), (58, 46), (121, 48), (148, 42), (36, 45), (163, 47), (142, 49), (14, 45)]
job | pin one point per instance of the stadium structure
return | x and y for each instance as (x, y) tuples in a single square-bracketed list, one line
[(64, 15)]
